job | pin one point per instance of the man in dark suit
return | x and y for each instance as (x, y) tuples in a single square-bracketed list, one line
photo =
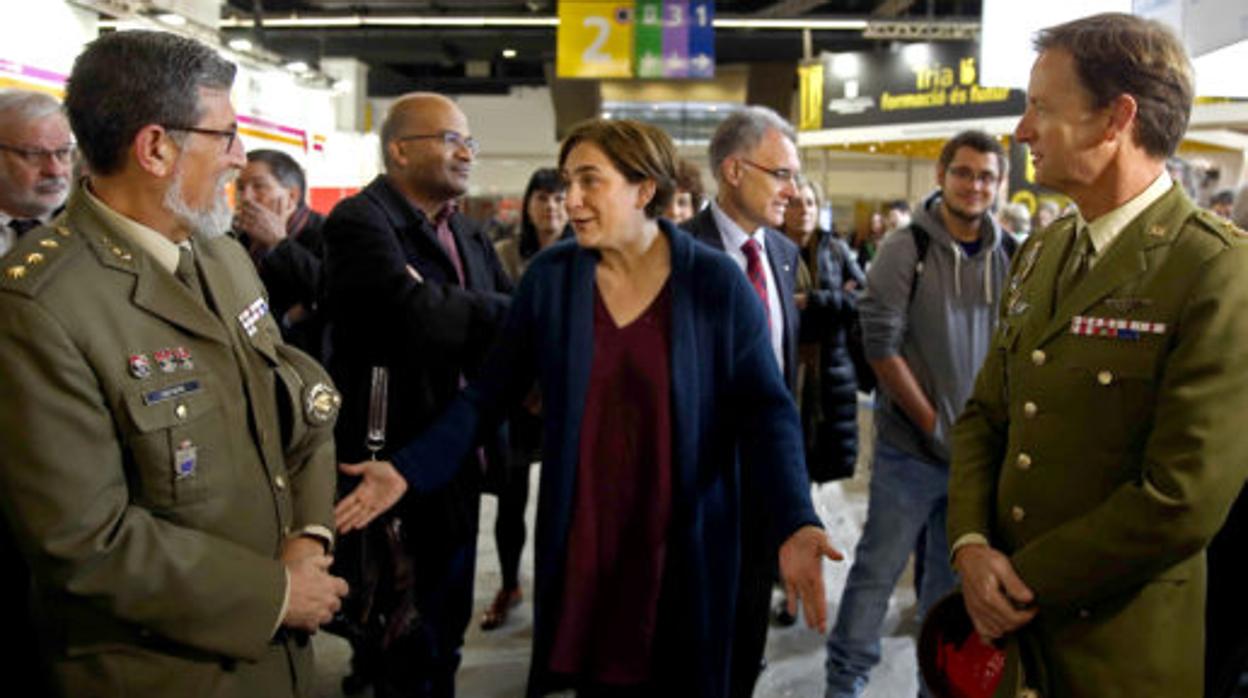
[(415, 287), (166, 461), (283, 236), (754, 159)]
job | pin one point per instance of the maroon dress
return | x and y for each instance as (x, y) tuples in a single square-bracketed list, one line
[(617, 543)]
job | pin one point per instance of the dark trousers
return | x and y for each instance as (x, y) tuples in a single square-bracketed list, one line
[(1226, 606), (758, 572), (509, 529), (423, 663)]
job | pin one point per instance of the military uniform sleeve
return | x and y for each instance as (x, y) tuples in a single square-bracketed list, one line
[(1194, 462), (309, 447), (64, 492)]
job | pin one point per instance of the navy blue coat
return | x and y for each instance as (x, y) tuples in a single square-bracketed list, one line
[(736, 435)]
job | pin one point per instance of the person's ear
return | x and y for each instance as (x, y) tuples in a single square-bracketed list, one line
[(155, 151), (1122, 114)]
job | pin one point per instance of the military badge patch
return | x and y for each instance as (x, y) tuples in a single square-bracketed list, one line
[(1115, 328), (184, 460), (252, 314), (140, 367), (321, 403)]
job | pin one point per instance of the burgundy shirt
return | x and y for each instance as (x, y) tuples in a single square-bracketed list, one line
[(617, 542)]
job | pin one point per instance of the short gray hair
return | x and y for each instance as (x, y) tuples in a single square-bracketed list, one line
[(127, 80), (1018, 216), (742, 130), (26, 105)]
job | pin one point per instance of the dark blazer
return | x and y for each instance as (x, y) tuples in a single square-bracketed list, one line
[(428, 333), (735, 435), (782, 255), (291, 273)]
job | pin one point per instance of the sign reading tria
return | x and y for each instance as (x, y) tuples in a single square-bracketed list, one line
[(636, 38), (922, 82)]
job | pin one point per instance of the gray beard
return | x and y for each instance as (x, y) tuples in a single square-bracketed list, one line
[(208, 224)]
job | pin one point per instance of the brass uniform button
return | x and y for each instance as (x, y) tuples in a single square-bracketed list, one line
[(16, 272), (1038, 357), (1017, 514), (34, 259), (1023, 461), (279, 482), (49, 243), (181, 411), (1030, 409), (1105, 377)]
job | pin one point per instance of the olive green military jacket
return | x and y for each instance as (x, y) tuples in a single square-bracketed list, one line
[(1103, 446), (154, 455)]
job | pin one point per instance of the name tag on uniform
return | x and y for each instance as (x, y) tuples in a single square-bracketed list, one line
[(154, 396), (1114, 328), (252, 314)]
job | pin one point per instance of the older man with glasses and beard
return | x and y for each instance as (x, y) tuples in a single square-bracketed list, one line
[(36, 156), (166, 462)]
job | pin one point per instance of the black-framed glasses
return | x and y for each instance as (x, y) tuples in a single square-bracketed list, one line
[(229, 134), (987, 178), (34, 156), (451, 139), (782, 175)]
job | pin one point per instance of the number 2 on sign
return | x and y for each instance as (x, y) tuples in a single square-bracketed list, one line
[(593, 53)]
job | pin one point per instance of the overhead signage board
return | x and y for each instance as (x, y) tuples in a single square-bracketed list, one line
[(648, 39), (922, 82), (595, 39)]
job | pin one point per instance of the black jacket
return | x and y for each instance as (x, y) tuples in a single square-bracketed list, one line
[(291, 273), (429, 333), (833, 422)]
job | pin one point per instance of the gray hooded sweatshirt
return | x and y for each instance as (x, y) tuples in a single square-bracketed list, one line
[(943, 334)]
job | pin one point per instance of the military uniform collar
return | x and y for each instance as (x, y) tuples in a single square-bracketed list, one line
[(1106, 229), (161, 248)]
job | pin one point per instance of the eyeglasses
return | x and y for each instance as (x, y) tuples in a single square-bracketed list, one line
[(451, 139), (35, 156), (966, 174), (229, 134), (780, 174)]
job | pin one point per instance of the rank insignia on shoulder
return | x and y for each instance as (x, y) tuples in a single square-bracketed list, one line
[(184, 460), (321, 403), (252, 314), (140, 367)]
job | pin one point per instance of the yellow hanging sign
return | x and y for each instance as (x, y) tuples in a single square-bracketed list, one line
[(595, 39)]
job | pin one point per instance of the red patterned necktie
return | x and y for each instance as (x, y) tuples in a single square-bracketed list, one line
[(754, 271)]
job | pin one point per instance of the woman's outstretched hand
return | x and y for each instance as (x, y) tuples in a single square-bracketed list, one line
[(381, 487)]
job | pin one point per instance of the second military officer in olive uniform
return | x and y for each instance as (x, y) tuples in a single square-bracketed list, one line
[(1104, 442), (166, 462)]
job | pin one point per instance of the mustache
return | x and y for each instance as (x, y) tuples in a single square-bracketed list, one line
[(52, 185)]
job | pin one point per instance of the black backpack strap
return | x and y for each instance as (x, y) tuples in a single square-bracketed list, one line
[(1009, 244), (922, 240)]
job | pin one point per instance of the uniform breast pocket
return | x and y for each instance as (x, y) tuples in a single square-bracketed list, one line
[(179, 444), (1117, 379)]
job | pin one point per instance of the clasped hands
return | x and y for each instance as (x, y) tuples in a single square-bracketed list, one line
[(997, 600)]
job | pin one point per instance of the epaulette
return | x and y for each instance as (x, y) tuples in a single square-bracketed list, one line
[(1221, 227), (36, 257)]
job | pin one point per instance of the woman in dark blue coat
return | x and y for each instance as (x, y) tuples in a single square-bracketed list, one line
[(663, 409)]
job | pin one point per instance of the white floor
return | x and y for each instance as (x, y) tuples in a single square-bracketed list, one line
[(496, 663)]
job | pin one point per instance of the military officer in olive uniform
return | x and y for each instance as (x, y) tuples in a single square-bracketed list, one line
[(1104, 443), (166, 462)]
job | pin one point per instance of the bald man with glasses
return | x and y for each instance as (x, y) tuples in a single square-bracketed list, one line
[(36, 158), (414, 287)]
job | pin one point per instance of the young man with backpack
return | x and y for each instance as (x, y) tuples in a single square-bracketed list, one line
[(927, 318)]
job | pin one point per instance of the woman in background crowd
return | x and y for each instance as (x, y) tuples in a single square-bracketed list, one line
[(663, 410), (830, 397), (543, 222), (689, 196)]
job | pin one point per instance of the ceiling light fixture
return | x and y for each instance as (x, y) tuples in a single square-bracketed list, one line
[(357, 21), (298, 67), (173, 20), (509, 53), (240, 45)]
